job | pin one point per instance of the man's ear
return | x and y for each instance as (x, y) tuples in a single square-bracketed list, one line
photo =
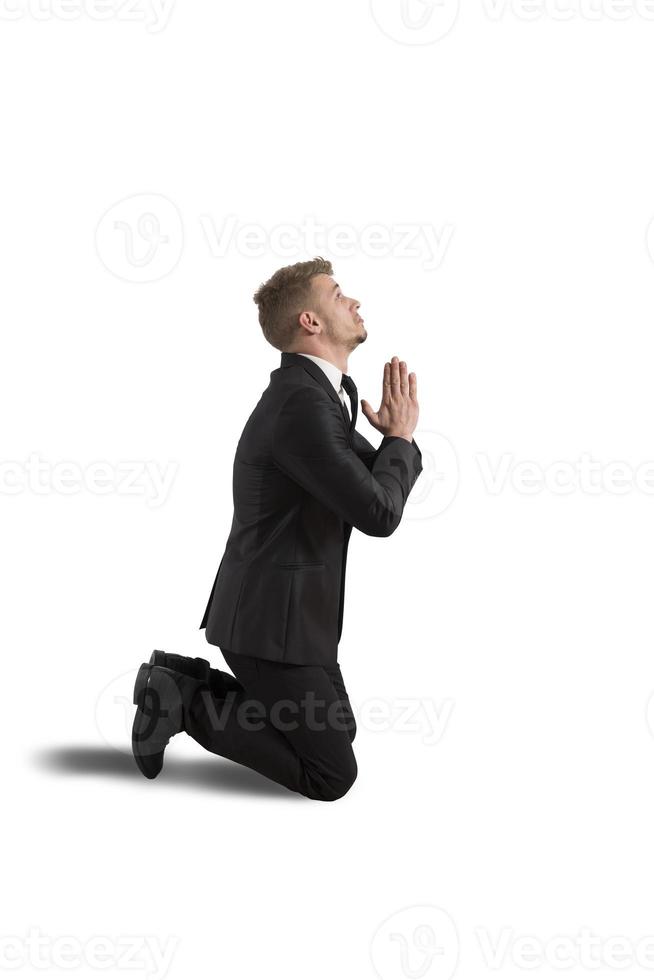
[(308, 320)]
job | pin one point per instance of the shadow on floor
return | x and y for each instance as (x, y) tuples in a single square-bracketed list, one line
[(214, 774)]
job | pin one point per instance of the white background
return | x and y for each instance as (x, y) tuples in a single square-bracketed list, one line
[(514, 600)]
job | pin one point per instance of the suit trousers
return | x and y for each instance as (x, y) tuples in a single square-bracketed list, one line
[(290, 722)]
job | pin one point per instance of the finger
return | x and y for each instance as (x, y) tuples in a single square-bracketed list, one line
[(413, 385), (386, 386), (367, 411), (395, 375), (404, 381)]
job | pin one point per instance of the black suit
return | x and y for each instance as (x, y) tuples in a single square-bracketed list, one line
[(301, 482)]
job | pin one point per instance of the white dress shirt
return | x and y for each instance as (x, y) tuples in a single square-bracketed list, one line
[(334, 374)]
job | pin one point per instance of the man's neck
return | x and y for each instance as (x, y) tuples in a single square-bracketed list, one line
[(338, 359)]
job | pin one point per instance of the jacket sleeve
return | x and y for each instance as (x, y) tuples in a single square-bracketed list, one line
[(364, 450), (311, 446), (367, 452)]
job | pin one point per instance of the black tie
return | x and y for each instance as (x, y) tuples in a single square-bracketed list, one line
[(351, 389)]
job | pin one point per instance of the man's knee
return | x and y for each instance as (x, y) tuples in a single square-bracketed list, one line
[(336, 786)]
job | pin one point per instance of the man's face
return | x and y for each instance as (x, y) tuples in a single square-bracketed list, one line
[(342, 325)]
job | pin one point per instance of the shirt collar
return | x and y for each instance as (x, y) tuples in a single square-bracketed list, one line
[(334, 374)]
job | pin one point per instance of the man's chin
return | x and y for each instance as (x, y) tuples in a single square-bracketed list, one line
[(357, 340)]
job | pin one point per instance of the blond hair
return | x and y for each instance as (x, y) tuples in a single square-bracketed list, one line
[(282, 298)]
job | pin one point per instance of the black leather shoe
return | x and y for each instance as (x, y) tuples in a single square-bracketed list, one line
[(219, 681), (193, 666), (159, 695)]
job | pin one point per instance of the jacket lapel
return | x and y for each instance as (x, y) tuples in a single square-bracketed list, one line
[(289, 360)]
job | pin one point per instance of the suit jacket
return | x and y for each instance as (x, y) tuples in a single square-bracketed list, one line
[(301, 482)]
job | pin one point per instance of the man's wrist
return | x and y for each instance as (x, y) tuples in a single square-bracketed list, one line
[(400, 435)]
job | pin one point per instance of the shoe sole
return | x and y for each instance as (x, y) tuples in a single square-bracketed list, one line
[(142, 680), (140, 685), (158, 658), (184, 665)]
